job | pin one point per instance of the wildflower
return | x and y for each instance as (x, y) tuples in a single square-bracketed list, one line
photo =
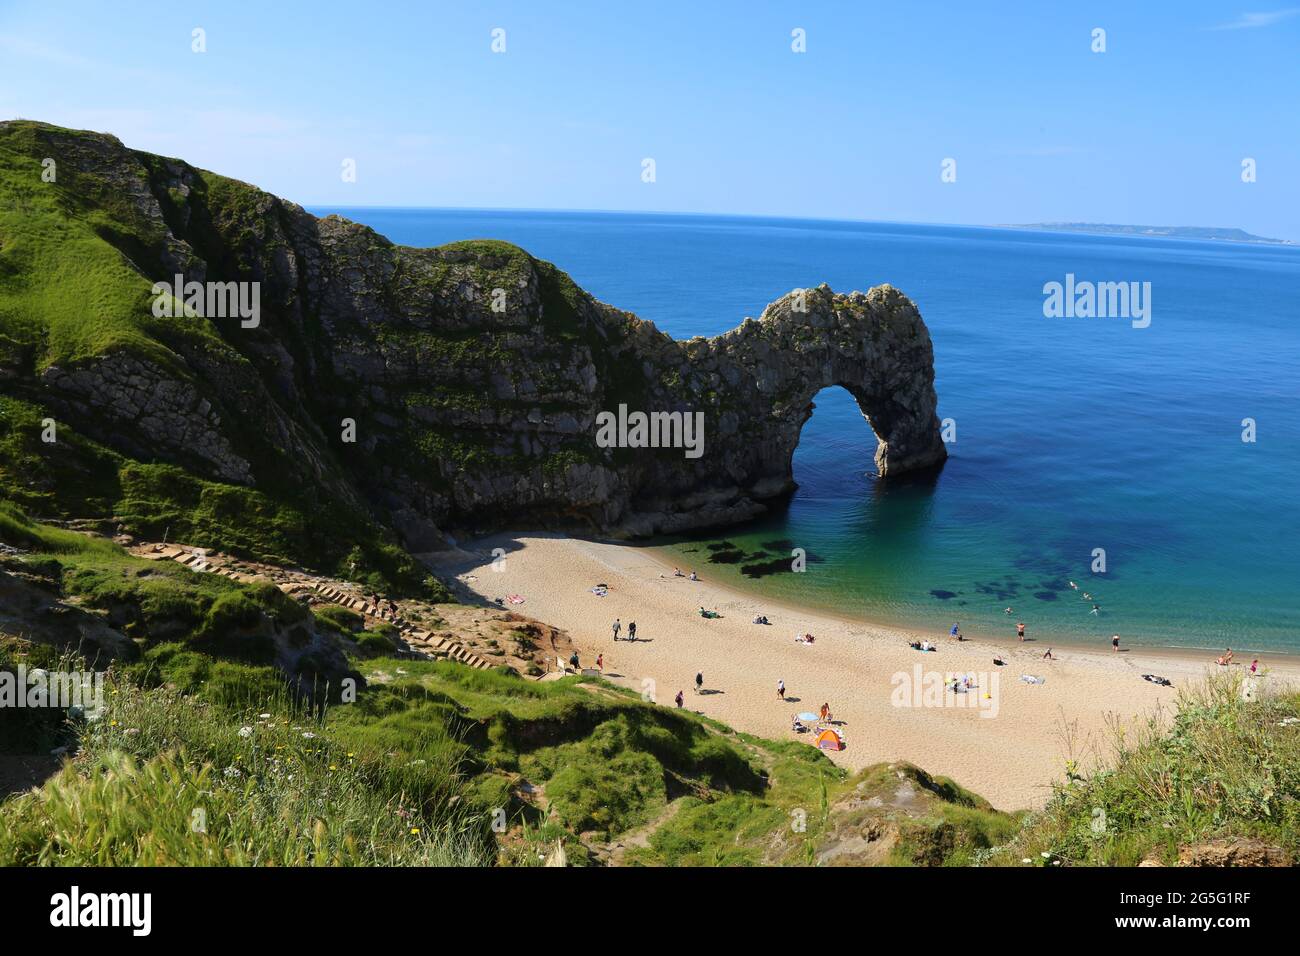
[(245, 731), (264, 716), (308, 735), (415, 830), (233, 772)]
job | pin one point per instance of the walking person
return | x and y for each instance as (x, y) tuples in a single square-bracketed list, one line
[(617, 627), (699, 682), (1020, 631), (600, 663), (631, 630), (1114, 642), (780, 689), (679, 698)]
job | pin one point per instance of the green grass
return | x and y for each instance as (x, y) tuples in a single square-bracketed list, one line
[(170, 780), (1225, 768)]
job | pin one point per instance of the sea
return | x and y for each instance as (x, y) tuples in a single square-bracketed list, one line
[(1151, 462)]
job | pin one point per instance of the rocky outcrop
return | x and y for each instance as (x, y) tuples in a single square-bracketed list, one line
[(452, 390)]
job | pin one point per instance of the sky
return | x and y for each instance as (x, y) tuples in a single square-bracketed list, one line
[(1153, 130)]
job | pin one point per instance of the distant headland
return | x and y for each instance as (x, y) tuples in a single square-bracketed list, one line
[(1162, 232)]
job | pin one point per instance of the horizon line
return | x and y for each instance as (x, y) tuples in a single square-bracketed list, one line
[(1038, 226)]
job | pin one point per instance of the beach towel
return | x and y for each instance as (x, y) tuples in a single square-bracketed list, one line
[(516, 599), (1032, 679), (600, 590)]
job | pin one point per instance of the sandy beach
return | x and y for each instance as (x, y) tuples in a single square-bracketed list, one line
[(1005, 739)]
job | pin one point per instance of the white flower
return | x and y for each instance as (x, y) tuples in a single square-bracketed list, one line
[(233, 772), (309, 735), (245, 731), (264, 716)]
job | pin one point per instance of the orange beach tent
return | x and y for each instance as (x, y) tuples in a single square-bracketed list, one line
[(829, 740)]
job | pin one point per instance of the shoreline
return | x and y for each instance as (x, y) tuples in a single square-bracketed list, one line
[(663, 556), (1006, 740)]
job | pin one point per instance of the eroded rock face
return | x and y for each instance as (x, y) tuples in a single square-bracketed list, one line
[(472, 374)]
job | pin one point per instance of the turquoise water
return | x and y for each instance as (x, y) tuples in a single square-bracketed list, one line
[(1072, 433)]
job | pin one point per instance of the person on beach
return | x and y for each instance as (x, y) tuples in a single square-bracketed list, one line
[(573, 660), (1020, 630), (780, 689), (677, 573), (955, 631), (1048, 656), (631, 630), (694, 576), (826, 712), (617, 627), (600, 663), (1114, 642), (1254, 666), (680, 699), (699, 682), (795, 725)]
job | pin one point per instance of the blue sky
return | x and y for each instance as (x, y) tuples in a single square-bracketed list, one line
[(1151, 131)]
